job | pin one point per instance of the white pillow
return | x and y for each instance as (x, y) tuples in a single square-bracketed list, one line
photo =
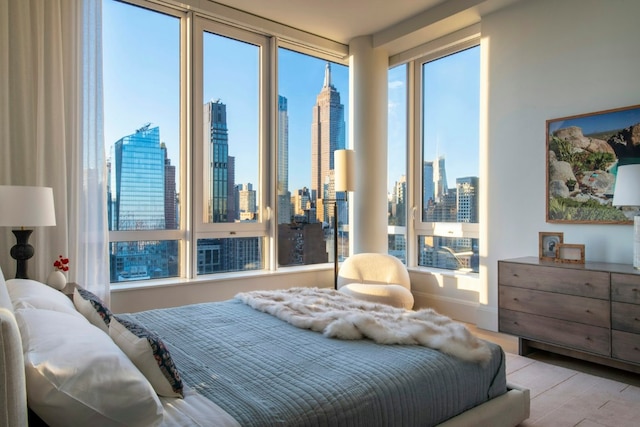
[(147, 351), (77, 376), (5, 298), (27, 293), (92, 308)]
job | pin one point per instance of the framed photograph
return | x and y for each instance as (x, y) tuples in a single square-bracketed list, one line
[(571, 253), (547, 243), (583, 153)]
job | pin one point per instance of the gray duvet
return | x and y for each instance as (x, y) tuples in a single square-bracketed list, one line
[(266, 372)]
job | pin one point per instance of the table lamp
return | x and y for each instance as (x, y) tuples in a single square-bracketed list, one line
[(24, 206), (627, 193)]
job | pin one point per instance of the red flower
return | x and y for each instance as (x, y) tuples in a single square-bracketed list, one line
[(61, 263)]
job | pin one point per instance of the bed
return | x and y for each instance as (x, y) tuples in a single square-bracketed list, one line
[(234, 365)]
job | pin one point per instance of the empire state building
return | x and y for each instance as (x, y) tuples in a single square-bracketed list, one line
[(327, 135)]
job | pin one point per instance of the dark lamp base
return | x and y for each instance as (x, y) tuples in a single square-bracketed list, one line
[(21, 252)]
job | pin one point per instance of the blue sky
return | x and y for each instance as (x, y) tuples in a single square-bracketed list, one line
[(137, 41)]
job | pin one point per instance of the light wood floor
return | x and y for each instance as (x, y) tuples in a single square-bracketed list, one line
[(568, 392)]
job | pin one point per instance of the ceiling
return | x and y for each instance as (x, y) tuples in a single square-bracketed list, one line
[(395, 24)]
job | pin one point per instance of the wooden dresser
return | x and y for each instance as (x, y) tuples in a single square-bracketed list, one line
[(589, 311)]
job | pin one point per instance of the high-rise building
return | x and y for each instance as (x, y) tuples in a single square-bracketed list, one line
[(246, 202), (327, 135), (170, 195), (399, 202), (216, 135), (137, 181), (428, 190), (467, 191), (138, 194), (439, 179), (284, 196)]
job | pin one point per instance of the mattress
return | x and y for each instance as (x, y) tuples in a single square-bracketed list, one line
[(263, 371)]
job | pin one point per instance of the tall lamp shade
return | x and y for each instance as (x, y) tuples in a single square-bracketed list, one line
[(345, 174), (627, 193), (25, 207)]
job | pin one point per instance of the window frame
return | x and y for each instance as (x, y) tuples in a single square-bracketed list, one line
[(415, 154), (202, 229), (269, 37), (179, 234)]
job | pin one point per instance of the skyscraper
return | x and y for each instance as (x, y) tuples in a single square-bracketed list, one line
[(284, 196), (327, 135), (170, 196), (138, 181), (216, 135), (139, 192)]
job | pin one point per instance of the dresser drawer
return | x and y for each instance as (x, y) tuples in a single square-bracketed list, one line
[(626, 346), (563, 280), (567, 334), (625, 288), (590, 311), (625, 317)]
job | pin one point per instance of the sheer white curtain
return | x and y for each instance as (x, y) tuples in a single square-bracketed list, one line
[(51, 131)]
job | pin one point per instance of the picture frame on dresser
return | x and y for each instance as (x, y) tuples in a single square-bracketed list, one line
[(547, 242), (570, 253)]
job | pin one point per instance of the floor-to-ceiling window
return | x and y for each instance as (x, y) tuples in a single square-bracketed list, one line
[(398, 213), (229, 139), (195, 112), (447, 223), (142, 123), (313, 96)]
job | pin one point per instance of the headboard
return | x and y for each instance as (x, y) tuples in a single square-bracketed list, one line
[(13, 390)]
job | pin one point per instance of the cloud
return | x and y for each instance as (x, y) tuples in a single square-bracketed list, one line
[(396, 84)]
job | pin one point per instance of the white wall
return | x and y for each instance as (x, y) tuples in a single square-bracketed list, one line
[(548, 59)]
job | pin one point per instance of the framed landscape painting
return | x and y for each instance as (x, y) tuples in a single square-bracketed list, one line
[(583, 155)]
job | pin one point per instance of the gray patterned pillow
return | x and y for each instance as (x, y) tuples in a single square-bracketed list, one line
[(92, 307), (150, 355)]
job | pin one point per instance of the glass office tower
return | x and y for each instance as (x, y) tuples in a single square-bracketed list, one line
[(137, 196)]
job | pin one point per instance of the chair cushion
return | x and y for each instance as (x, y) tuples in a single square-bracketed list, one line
[(392, 294)]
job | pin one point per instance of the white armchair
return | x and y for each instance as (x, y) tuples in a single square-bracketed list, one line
[(376, 277)]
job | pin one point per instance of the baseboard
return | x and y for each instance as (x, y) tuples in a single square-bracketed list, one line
[(457, 309), (487, 317), (482, 316)]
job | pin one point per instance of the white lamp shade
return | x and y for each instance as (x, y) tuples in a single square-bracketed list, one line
[(23, 206), (627, 189), (345, 174)]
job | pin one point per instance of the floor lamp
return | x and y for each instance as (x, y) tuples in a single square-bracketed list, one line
[(344, 181), (627, 193), (23, 206)]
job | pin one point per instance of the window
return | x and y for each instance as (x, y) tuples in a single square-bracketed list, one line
[(196, 134), (396, 162), (142, 80), (448, 230), (230, 139), (312, 106)]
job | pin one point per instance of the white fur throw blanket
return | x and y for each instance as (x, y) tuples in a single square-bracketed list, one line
[(337, 315)]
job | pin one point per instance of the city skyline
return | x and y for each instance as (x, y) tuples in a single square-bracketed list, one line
[(152, 40)]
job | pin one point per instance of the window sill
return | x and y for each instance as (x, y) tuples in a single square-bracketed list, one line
[(443, 272), (213, 278)]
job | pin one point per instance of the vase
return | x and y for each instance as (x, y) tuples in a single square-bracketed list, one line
[(57, 280)]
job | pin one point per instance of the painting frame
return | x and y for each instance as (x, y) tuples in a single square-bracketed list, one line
[(582, 155), (547, 242)]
